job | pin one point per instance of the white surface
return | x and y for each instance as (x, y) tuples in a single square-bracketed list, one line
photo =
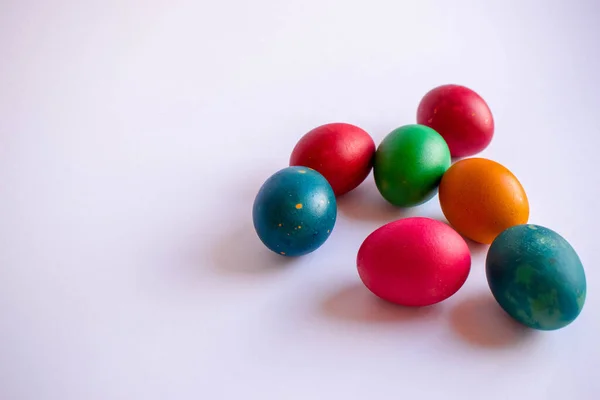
[(135, 134)]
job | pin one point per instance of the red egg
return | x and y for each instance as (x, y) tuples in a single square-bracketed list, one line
[(460, 115), (342, 153), (414, 261)]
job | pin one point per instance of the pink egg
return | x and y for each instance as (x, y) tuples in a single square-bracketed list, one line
[(414, 261)]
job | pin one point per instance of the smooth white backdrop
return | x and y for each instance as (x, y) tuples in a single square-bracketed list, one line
[(135, 134)]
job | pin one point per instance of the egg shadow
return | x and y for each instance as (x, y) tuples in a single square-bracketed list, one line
[(355, 303), (365, 203), (480, 321), (476, 248), (242, 253)]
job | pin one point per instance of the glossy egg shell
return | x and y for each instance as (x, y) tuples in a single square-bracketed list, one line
[(460, 115), (414, 261), (409, 164), (536, 277), (341, 152), (481, 198), (294, 211)]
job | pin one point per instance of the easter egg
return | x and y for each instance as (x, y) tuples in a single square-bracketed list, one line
[(481, 198), (409, 164), (342, 153), (536, 277), (414, 261), (294, 211), (460, 115)]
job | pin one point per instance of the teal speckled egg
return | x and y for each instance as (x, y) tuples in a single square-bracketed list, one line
[(536, 277), (294, 211)]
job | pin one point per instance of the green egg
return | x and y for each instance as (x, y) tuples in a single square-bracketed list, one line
[(536, 277), (409, 164)]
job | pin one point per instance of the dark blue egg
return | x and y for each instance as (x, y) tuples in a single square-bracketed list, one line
[(294, 211), (536, 277)]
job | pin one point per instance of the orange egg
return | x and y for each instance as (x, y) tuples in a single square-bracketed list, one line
[(482, 198)]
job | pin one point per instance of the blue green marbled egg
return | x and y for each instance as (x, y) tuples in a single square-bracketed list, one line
[(294, 211), (536, 277)]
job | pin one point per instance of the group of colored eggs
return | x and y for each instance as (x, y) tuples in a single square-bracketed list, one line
[(533, 272)]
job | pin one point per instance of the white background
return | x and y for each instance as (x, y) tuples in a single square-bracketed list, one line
[(134, 136)]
